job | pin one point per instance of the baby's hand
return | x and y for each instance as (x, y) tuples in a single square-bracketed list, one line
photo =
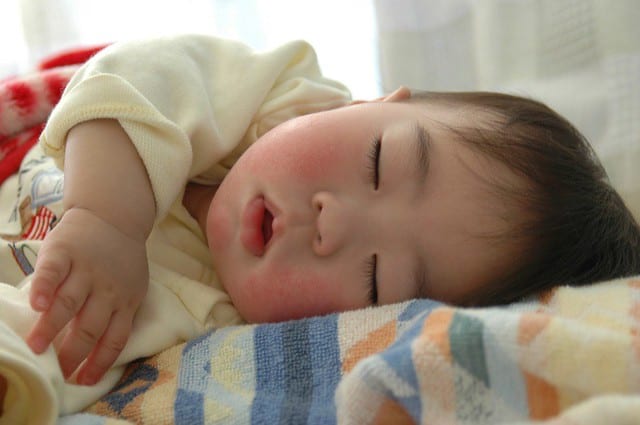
[(92, 277)]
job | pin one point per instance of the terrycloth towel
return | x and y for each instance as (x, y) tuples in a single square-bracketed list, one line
[(572, 357)]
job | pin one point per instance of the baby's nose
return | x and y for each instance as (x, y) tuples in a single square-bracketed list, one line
[(332, 223)]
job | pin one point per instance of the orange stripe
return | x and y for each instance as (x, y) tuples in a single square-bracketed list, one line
[(436, 329), (434, 368), (374, 342), (541, 397), (392, 412), (530, 326)]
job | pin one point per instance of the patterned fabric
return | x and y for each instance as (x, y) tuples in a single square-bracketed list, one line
[(262, 374), (27, 100), (572, 357)]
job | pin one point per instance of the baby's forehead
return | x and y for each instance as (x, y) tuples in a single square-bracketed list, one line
[(495, 184), (460, 115)]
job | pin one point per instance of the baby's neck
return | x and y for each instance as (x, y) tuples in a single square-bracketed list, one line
[(196, 200)]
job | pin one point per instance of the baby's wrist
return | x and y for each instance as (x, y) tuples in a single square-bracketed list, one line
[(118, 223)]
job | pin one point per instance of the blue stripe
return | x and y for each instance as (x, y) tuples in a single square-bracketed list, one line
[(325, 360), (194, 370), (399, 356), (189, 407), (418, 307), (297, 373), (504, 372), (140, 377), (269, 364)]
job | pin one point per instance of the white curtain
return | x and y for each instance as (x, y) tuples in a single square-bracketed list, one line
[(343, 32), (582, 57)]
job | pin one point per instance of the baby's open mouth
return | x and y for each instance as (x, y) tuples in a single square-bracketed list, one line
[(267, 228), (256, 226)]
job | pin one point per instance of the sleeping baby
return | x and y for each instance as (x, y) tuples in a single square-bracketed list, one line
[(208, 185)]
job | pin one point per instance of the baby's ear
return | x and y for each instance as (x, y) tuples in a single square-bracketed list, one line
[(401, 93)]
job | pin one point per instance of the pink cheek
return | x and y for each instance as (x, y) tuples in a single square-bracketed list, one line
[(219, 227), (315, 164), (283, 294), (309, 161)]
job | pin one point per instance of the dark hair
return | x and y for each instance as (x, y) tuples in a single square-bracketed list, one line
[(577, 229)]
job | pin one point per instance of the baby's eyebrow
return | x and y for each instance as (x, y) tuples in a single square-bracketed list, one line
[(422, 147)]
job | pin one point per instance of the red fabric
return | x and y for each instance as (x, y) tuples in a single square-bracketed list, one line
[(22, 96), (55, 86), (13, 149), (27, 100), (70, 57)]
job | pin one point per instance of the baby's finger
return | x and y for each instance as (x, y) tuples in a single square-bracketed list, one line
[(52, 268), (108, 349), (67, 301), (84, 334)]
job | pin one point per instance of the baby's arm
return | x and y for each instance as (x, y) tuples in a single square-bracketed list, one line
[(203, 102), (92, 270)]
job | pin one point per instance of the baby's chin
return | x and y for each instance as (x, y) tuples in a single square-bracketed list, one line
[(249, 311)]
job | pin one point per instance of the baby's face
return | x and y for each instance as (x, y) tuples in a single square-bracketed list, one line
[(372, 203)]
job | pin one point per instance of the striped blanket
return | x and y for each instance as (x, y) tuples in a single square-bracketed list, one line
[(570, 356)]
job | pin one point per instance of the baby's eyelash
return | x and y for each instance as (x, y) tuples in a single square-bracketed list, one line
[(371, 273), (374, 161)]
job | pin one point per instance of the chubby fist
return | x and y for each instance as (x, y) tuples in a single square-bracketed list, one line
[(88, 283)]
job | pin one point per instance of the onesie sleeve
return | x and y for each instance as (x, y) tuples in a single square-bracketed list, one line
[(191, 104)]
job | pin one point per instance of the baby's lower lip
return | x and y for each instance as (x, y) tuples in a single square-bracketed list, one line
[(251, 234)]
